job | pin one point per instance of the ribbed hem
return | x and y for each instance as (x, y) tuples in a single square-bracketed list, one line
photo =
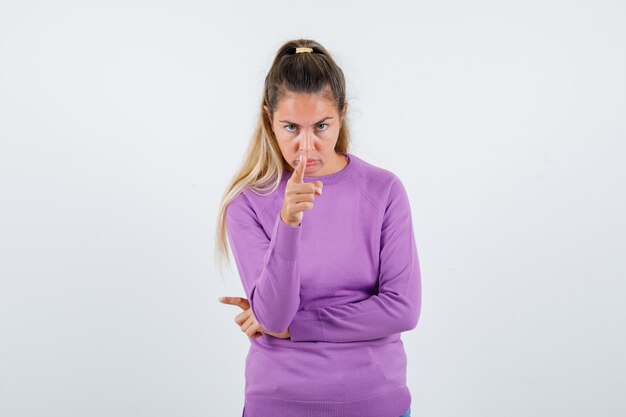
[(391, 404)]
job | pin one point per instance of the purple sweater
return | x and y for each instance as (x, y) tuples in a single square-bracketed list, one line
[(346, 282)]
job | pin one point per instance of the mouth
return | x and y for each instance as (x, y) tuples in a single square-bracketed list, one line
[(308, 162)]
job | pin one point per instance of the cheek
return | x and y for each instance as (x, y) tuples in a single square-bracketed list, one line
[(287, 145), (284, 139), (329, 136)]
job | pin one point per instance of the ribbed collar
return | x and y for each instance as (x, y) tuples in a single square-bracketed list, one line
[(353, 164)]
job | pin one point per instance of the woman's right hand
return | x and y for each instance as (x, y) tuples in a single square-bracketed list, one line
[(299, 195), (248, 322)]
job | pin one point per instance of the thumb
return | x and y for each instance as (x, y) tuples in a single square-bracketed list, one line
[(318, 186)]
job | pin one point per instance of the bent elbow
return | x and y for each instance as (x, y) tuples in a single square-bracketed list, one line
[(273, 320), (412, 313), (276, 326), (413, 319)]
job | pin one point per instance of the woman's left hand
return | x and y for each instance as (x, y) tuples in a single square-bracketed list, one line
[(248, 322)]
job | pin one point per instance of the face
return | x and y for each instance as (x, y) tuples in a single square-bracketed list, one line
[(308, 121)]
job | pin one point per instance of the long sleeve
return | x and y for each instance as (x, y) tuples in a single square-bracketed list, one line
[(396, 307), (268, 267)]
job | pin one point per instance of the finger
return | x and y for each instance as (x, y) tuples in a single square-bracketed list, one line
[(252, 330), (304, 191), (241, 317), (250, 327), (247, 324), (305, 157), (298, 173), (239, 301), (236, 301)]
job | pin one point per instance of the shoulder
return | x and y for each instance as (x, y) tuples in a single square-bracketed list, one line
[(381, 184), (248, 204)]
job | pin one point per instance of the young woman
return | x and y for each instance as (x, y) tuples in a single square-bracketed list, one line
[(324, 246)]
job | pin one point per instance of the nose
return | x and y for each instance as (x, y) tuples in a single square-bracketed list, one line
[(306, 142)]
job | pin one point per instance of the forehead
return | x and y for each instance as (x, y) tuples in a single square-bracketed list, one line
[(305, 106)]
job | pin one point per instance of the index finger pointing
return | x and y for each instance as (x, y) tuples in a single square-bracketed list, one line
[(305, 156), (236, 301)]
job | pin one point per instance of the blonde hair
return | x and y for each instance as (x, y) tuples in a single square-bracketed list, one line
[(263, 164)]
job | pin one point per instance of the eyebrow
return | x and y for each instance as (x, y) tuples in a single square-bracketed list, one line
[(292, 123)]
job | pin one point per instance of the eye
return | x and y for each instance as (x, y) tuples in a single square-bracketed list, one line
[(323, 124), (287, 127)]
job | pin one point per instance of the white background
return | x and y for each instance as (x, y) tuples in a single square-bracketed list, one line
[(121, 123)]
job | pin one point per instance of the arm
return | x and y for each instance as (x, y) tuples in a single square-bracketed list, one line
[(396, 308), (267, 266)]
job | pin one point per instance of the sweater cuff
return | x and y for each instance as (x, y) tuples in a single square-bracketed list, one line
[(306, 326), (286, 239)]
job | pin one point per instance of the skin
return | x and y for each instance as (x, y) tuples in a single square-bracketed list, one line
[(298, 127), (308, 125), (246, 320)]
